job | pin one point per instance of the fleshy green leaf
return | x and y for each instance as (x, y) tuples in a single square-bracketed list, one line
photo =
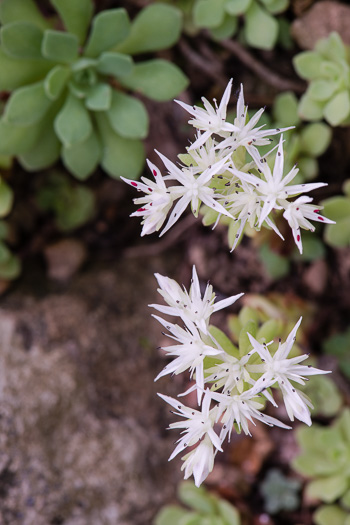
[(332, 47), (195, 497), (261, 29), (157, 26), (157, 79), (315, 138), (45, 152), (327, 489), (275, 265), (128, 116), (209, 13), (59, 46), (115, 64), (22, 40), (237, 7), (6, 198), (224, 341), (56, 81), (16, 73), (338, 108), (73, 123), (308, 64), (310, 109), (329, 515), (109, 28), (121, 157), (82, 159), (27, 105), (320, 89), (228, 512), (11, 268), (244, 343), (16, 10), (76, 15), (338, 235), (75, 209), (15, 140), (285, 109), (276, 6), (170, 515), (226, 30), (99, 97)]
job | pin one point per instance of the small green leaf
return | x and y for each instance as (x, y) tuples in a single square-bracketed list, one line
[(128, 116), (15, 140), (315, 138), (59, 46), (209, 13), (228, 512), (226, 30), (332, 47), (276, 6), (6, 198), (308, 168), (16, 10), (27, 105), (44, 153), (121, 157), (157, 79), (269, 330), (196, 498), (76, 16), (327, 489), (275, 265), (170, 515), (338, 235), (22, 40), (157, 26), (243, 342), (56, 81), (237, 7), (17, 73), (285, 109), (224, 341), (329, 514), (115, 64), (73, 123), (82, 159), (261, 29), (320, 89), (75, 208), (310, 109), (109, 28), (99, 97), (308, 64), (338, 108)]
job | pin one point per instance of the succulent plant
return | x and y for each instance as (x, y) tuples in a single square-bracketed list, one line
[(280, 492), (327, 68), (261, 28), (324, 457), (10, 265), (326, 398), (69, 89), (72, 204), (338, 209), (338, 345), (206, 509)]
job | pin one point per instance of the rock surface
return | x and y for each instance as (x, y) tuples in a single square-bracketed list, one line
[(82, 432)]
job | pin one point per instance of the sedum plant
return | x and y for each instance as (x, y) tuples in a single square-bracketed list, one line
[(70, 89), (232, 384), (324, 458), (221, 17), (338, 209), (280, 492), (327, 69), (205, 509), (338, 345), (224, 170)]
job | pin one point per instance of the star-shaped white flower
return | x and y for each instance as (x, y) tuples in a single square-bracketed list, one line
[(193, 189), (155, 204), (189, 353), (246, 134), (275, 187), (190, 306), (279, 369), (199, 462), (297, 214), (210, 120), (197, 423)]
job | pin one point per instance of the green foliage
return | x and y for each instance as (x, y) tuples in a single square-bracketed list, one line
[(221, 17), (338, 345), (324, 457), (206, 509), (338, 209), (72, 204), (66, 85), (326, 398), (280, 492), (10, 265), (327, 68)]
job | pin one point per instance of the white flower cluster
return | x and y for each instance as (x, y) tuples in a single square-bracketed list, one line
[(215, 172), (231, 390)]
